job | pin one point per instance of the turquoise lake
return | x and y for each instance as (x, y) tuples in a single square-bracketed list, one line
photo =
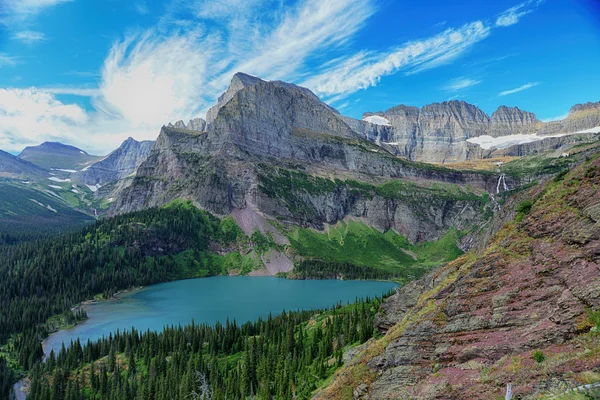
[(209, 300)]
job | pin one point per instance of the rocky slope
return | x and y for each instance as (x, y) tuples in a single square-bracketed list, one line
[(517, 313), (117, 165), (438, 132), (274, 149), (196, 124)]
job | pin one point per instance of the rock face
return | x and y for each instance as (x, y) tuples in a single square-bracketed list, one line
[(581, 117), (239, 81), (117, 165), (196, 124), (438, 132), (478, 319), (512, 121), (269, 130)]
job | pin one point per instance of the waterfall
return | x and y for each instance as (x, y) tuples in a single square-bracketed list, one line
[(501, 180)]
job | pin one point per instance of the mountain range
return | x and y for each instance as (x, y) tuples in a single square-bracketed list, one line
[(491, 222)]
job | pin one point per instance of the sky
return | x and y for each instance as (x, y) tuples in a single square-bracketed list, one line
[(92, 73)]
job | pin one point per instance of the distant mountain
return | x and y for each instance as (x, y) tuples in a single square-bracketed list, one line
[(16, 168), (117, 165), (57, 155), (439, 132)]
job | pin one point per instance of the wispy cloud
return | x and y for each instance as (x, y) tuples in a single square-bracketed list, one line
[(365, 69), (556, 118), (29, 37), (141, 7), (519, 89), (6, 60), (177, 70), (514, 14), (460, 84)]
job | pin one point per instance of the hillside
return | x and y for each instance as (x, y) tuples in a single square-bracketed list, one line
[(520, 312)]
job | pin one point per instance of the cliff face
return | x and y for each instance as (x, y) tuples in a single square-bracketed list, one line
[(438, 132), (279, 127), (468, 329), (581, 117), (117, 165)]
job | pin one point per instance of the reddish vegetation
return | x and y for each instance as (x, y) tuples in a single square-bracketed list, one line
[(467, 330)]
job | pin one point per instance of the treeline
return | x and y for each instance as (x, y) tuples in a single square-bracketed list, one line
[(319, 269), (283, 357), (43, 278)]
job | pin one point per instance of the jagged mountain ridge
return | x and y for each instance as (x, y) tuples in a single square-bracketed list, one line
[(272, 133), (439, 132), (119, 164)]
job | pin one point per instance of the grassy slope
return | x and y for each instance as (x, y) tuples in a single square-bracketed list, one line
[(356, 243)]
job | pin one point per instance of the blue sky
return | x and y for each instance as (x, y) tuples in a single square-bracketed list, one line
[(92, 73)]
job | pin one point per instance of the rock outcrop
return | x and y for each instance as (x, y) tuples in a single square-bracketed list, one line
[(511, 121), (119, 164), (195, 124), (468, 329), (581, 117)]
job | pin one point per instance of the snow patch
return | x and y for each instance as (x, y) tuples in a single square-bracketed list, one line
[(75, 191), (501, 142), (51, 209), (25, 182), (377, 120), (110, 199), (86, 168), (94, 188), (55, 179), (591, 130), (37, 202), (55, 187), (71, 171), (81, 152)]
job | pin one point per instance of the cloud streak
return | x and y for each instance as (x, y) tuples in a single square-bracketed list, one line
[(364, 70), (514, 14), (29, 37), (460, 84), (519, 89)]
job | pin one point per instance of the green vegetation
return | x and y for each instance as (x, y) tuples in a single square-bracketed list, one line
[(360, 245), (538, 356), (44, 278), (523, 209), (288, 356), (533, 167), (293, 187), (26, 213)]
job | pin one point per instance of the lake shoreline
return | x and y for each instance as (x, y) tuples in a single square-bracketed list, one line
[(285, 295)]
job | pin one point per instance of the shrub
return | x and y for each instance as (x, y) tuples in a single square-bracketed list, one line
[(523, 209), (538, 356)]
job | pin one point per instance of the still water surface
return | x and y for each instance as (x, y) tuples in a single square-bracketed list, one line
[(209, 300)]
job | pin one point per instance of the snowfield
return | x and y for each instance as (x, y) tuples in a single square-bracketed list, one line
[(55, 179), (377, 120), (487, 142)]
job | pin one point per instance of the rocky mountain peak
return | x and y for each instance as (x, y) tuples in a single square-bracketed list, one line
[(239, 81), (584, 107)]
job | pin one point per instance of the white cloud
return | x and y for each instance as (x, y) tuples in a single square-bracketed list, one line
[(33, 116), (459, 84), (519, 89), (514, 14), (29, 37), (29, 6), (177, 70), (6, 60), (365, 69)]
